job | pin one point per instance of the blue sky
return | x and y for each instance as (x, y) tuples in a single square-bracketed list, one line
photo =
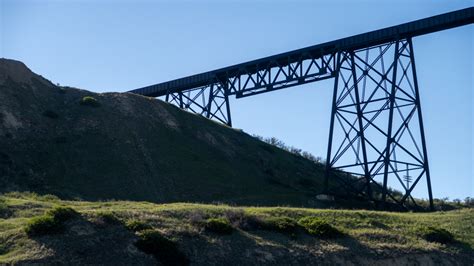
[(122, 45)]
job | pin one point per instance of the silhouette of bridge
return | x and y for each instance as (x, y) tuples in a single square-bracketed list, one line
[(376, 129)]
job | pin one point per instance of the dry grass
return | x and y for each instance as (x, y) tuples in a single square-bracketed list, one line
[(370, 229)]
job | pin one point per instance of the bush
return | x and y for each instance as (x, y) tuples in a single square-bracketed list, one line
[(433, 234), (3, 249), (62, 214), (165, 250), (108, 218), (49, 197), (50, 114), (219, 225), (4, 210), (136, 226), (89, 101), (318, 227), (50, 223), (279, 224), (42, 225)]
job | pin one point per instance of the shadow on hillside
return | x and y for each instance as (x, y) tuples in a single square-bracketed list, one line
[(270, 248), (84, 243)]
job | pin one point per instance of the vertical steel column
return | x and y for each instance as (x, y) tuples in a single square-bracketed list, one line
[(181, 104), (390, 123), (422, 130), (227, 103), (209, 103), (361, 127), (331, 125)]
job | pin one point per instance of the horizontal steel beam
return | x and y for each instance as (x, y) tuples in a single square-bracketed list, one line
[(365, 40)]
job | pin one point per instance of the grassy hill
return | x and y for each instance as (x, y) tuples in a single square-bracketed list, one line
[(105, 164), (78, 144), (127, 232)]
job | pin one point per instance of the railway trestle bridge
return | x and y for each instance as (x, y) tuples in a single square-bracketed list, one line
[(376, 129)]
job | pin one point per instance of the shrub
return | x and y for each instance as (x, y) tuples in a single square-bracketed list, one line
[(42, 225), (136, 226), (280, 224), (219, 225), (318, 227), (62, 214), (433, 234), (89, 101), (4, 210), (50, 114), (165, 250), (195, 217), (3, 249), (50, 223), (108, 218)]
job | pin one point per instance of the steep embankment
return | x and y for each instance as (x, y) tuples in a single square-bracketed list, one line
[(123, 232), (137, 148)]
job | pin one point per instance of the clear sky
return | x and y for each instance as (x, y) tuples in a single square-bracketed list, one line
[(121, 45)]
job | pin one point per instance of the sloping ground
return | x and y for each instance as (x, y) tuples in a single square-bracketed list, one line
[(368, 237), (136, 148)]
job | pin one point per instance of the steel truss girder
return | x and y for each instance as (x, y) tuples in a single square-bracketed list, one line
[(279, 74), (376, 119), (210, 100)]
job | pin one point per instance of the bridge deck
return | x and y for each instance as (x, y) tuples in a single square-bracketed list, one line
[(369, 39)]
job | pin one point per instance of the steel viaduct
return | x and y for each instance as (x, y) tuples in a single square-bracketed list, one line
[(376, 129)]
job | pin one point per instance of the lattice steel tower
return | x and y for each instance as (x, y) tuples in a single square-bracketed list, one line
[(376, 126)]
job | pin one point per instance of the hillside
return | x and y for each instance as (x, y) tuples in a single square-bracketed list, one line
[(125, 146), (122, 232)]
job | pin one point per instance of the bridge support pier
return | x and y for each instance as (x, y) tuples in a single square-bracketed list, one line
[(210, 101), (376, 130)]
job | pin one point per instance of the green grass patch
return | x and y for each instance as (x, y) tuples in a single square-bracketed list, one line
[(281, 224), (164, 249), (391, 231), (219, 225), (136, 225), (318, 227), (89, 101), (42, 225), (51, 222)]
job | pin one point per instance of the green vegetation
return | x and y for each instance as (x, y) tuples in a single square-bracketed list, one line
[(4, 210), (279, 224), (318, 227), (165, 250), (89, 101), (42, 225), (219, 225), (62, 214), (51, 222), (108, 218), (291, 149), (434, 234), (136, 225), (180, 223), (3, 249)]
